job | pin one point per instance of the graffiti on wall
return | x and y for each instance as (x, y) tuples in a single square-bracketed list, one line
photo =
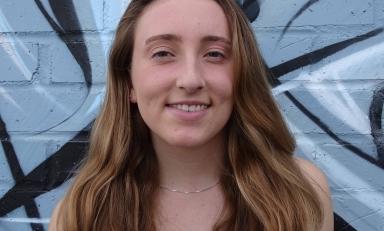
[(331, 93)]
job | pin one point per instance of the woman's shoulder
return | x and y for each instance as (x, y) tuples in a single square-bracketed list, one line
[(319, 182), (313, 173), (53, 225)]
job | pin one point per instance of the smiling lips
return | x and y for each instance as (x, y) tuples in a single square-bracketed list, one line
[(190, 108)]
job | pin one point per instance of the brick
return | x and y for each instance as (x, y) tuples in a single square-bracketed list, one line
[(48, 201), (6, 179), (356, 184), (19, 61), (90, 14), (65, 68), (379, 13), (7, 224), (325, 151), (33, 149), (362, 60), (344, 112), (37, 107), (357, 212), (321, 13), (113, 10), (20, 16), (30, 151), (291, 46)]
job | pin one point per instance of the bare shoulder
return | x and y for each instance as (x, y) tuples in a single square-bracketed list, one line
[(53, 226), (320, 183), (313, 173)]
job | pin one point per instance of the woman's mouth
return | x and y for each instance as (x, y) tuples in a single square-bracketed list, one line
[(189, 107)]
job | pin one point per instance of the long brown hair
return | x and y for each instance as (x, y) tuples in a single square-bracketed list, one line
[(263, 186)]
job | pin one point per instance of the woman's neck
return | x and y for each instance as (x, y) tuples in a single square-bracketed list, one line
[(190, 168)]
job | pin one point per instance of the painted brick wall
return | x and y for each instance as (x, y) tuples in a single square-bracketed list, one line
[(326, 58)]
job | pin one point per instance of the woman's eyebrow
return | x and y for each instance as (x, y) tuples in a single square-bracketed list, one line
[(172, 37), (214, 38), (165, 37)]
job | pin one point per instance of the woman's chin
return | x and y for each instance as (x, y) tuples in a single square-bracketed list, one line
[(186, 142)]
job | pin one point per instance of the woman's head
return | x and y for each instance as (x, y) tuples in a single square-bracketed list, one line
[(182, 72), (240, 76)]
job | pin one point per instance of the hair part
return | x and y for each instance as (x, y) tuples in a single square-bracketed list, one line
[(263, 186)]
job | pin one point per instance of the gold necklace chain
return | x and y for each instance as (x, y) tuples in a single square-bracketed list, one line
[(189, 192)]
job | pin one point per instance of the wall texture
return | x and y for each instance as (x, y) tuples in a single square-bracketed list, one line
[(327, 62)]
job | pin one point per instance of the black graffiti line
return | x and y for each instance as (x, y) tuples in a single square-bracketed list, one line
[(330, 133), (48, 175), (17, 174), (298, 13), (375, 113), (341, 225), (64, 36), (78, 50), (317, 55), (251, 8), (65, 13)]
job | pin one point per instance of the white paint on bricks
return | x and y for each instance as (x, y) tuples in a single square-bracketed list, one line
[(7, 98), (25, 220), (341, 177), (8, 44)]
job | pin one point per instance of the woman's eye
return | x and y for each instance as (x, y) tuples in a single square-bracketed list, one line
[(215, 56), (162, 54)]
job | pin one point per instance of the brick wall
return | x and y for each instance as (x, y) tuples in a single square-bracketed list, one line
[(327, 59)]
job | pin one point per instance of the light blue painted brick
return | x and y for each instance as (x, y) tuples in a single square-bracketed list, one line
[(379, 13), (356, 213), (47, 201), (39, 107), (362, 60), (9, 225), (36, 109), (329, 12), (18, 16), (5, 186), (30, 152), (25, 16), (33, 149), (19, 61), (323, 149), (113, 10), (90, 14), (356, 184), (6, 178), (291, 46), (359, 61), (65, 69), (331, 107)]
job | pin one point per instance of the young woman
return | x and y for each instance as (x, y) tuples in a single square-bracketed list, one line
[(189, 137)]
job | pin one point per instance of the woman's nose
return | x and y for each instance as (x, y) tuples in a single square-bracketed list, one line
[(191, 77)]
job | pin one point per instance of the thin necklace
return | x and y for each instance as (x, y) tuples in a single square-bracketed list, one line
[(189, 192)]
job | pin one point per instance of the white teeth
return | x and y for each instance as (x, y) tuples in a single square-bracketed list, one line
[(184, 107), (190, 108)]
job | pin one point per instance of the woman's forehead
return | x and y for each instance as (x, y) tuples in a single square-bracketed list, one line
[(183, 18)]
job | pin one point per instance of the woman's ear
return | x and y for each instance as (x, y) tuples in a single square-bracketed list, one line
[(132, 96)]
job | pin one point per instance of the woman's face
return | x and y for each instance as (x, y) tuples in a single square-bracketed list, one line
[(182, 71)]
